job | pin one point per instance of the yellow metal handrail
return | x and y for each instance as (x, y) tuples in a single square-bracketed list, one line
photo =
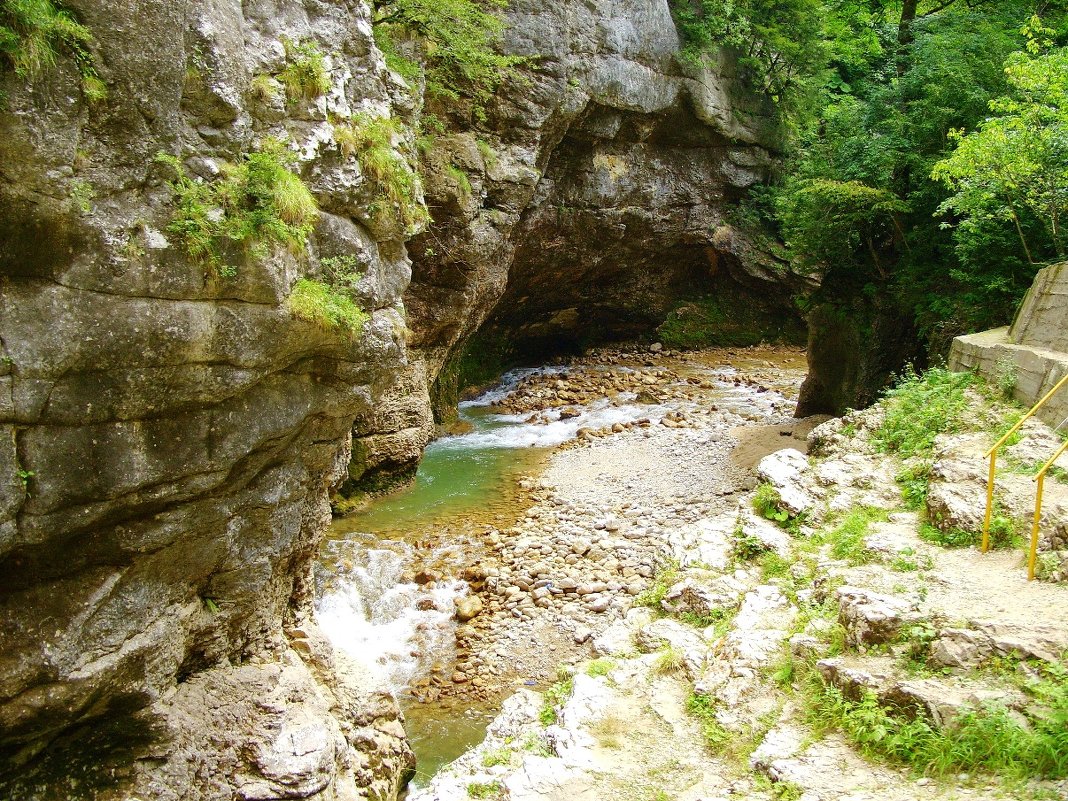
[(992, 454), (1032, 557)]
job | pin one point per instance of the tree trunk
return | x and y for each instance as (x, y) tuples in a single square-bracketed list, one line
[(904, 35)]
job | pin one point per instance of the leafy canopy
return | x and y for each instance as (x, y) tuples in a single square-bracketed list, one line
[(1014, 167)]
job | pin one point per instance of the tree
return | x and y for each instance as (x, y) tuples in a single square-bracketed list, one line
[(1014, 168)]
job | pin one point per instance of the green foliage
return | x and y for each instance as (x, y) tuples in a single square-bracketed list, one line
[(768, 504), (83, 194), (747, 547), (662, 581), (265, 88), (907, 561), (772, 565), (32, 32), (779, 43), (459, 177), (847, 538), (988, 738), (859, 201), (920, 408), (498, 756), (305, 76), (319, 303), (828, 221), (1014, 167), (951, 538), (456, 42), (370, 140), (555, 696), (484, 790), (600, 667), (489, 155), (914, 481), (703, 708), (257, 203)]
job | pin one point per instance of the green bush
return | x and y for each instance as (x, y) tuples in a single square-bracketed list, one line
[(914, 483), (767, 502), (319, 303), (457, 45), (32, 31), (305, 76), (920, 408), (257, 203)]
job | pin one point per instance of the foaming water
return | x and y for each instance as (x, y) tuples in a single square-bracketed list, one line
[(397, 627)]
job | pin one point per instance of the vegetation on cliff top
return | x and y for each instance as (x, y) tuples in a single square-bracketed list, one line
[(927, 163), (452, 43)]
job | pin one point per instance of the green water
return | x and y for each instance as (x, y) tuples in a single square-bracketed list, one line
[(440, 733), (457, 486), (464, 485)]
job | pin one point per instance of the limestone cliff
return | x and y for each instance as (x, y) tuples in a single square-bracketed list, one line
[(600, 193), (170, 432)]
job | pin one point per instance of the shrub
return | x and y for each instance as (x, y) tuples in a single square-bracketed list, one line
[(458, 46), (987, 738), (32, 30), (767, 502), (920, 408), (370, 140), (305, 76), (321, 304), (256, 203)]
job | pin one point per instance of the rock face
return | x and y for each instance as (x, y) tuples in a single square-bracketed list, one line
[(170, 433), (600, 194)]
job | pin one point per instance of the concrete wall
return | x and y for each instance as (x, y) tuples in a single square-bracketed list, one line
[(1034, 349)]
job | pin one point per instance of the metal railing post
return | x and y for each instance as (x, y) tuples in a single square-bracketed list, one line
[(1032, 556), (992, 455)]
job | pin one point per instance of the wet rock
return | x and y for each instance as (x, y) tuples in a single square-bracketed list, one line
[(427, 576), (468, 607)]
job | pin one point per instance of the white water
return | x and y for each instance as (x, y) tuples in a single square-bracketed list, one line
[(370, 614), (367, 610)]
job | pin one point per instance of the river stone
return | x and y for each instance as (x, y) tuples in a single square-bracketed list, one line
[(468, 607)]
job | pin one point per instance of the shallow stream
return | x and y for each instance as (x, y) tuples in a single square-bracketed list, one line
[(386, 579)]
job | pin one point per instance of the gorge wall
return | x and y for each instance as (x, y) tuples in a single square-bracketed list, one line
[(171, 432), (600, 193)]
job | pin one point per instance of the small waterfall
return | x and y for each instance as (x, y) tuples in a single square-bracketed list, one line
[(397, 627)]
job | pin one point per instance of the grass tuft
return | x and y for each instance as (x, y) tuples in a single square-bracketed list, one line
[(323, 305), (256, 203), (305, 76)]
